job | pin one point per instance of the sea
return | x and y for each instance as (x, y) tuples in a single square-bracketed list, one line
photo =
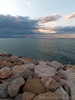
[(47, 49)]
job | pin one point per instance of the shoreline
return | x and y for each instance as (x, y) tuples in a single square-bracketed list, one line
[(29, 79)]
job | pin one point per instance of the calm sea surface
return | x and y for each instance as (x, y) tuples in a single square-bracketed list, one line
[(62, 50)]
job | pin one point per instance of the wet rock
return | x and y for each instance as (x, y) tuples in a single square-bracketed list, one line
[(47, 96), (5, 72), (34, 85), (27, 96), (14, 86), (3, 90)]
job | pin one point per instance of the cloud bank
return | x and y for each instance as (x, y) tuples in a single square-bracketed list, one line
[(11, 26)]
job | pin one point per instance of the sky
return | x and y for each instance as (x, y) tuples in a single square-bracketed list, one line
[(54, 18)]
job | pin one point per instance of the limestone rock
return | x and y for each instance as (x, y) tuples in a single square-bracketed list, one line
[(14, 86), (27, 96), (34, 85)]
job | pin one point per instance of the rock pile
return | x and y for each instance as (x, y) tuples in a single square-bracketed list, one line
[(27, 79)]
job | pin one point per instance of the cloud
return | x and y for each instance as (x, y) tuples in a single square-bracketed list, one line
[(58, 30), (11, 25), (50, 18), (71, 16)]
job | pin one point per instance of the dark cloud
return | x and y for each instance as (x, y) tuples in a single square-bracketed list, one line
[(65, 29), (50, 18), (11, 25)]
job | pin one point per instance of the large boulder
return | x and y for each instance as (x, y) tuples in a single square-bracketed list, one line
[(47, 96), (5, 72), (27, 96), (3, 90), (43, 70), (14, 86), (33, 85)]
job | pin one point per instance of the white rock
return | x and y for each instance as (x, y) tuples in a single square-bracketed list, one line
[(56, 65), (43, 70), (63, 93)]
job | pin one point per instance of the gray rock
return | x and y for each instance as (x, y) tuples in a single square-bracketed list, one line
[(3, 90), (14, 86), (29, 66), (18, 97)]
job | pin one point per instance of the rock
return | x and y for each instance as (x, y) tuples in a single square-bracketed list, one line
[(29, 66), (5, 72), (43, 70), (50, 84), (61, 74), (54, 85), (18, 97), (33, 85), (56, 65), (27, 96), (56, 78), (17, 70), (26, 73), (3, 90), (2, 64), (47, 96), (63, 93), (21, 71), (14, 86)]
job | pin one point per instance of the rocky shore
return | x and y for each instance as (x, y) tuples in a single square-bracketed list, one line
[(28, 79)]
